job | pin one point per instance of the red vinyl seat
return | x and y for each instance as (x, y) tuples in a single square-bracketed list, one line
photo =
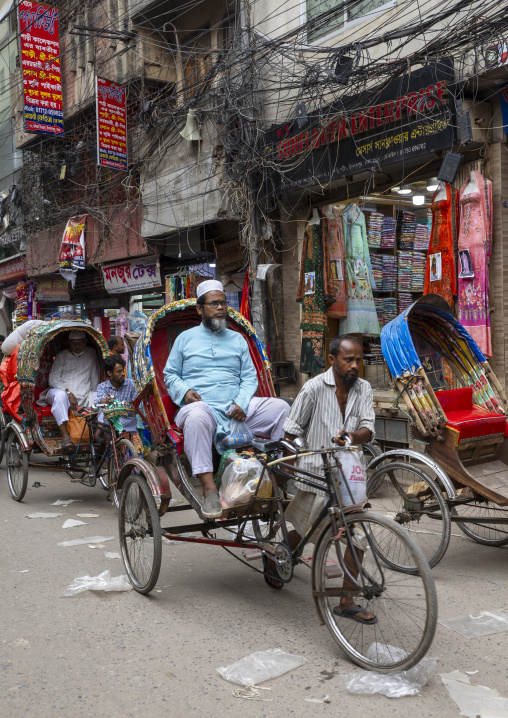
[(42, 411), (469, 420), (175, 433)]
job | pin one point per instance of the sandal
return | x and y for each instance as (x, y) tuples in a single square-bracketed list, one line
[(351, 611), (68, 447), (271, 579)]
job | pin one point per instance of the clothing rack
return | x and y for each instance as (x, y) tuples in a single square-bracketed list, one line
[(182, 283)]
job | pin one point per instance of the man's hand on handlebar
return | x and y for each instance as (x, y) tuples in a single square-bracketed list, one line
[(191, 396), (362, 436)]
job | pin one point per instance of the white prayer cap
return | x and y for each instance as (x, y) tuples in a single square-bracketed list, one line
[(209, 285), (76, 334)]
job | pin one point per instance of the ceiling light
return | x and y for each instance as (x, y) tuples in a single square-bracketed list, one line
[(418, 199), (405, 189), (213, 264), (395, 189), (433, 184)]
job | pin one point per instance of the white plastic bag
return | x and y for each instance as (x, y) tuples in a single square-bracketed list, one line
[(18, 335), (239, 435), (354, 475), (260, 666), (102, 582), (391, 685), (240, 480)]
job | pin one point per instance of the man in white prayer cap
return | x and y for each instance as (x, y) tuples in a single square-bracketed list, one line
[(73, 380), (210, 375)]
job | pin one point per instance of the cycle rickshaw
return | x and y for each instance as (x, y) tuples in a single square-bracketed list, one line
[(405, 605), (32, 430), (457, 470)]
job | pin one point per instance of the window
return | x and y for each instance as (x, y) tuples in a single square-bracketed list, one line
[(340, 19)]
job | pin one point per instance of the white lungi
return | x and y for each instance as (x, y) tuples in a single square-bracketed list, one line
[(265, 417), (60, 405)]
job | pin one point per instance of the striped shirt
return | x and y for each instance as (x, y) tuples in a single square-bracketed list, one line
[(316, 416), (127, 392)]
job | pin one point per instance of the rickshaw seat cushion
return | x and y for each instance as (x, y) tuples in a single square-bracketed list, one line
[(470, 420), (456, 399), (169, 407)]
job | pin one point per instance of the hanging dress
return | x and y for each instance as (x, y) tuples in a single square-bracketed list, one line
[(443, 247), (361, 312), (475, 235), (332, 228), (315, 291)]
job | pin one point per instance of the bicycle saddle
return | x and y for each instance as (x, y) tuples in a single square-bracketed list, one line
[(264, 445)]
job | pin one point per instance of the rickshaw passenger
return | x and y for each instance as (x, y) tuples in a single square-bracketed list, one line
[(208, 370), (73, 380)]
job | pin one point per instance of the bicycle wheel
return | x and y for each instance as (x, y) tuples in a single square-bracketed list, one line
[(125, 450), (405, 605), (17, 466), (408, 495), (495, 534), (140, 534)]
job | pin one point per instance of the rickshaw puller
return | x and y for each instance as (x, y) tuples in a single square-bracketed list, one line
[(122, 389), (339, 399), (73, 380), (208, 370)]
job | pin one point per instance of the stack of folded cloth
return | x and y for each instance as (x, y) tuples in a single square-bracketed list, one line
[(422, 235), (388, 233), (406, 223), (379, 303), (376, 261), (374, 223), (20, 315), (405, 301), (389, 273), (390, 309), (372, 353), (418, 272), (405, 263)]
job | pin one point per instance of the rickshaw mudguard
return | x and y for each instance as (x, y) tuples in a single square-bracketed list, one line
[(397, 454), (156, 478), (17, 429)]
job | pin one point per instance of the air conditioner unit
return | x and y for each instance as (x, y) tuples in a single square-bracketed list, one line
[(474, 119)]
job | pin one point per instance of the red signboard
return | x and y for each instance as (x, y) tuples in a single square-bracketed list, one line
[(111, 124), (40, 64), (12, 269)]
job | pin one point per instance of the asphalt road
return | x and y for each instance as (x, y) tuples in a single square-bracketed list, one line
[(123, 654)]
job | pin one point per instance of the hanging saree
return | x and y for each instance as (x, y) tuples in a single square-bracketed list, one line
[(361, 312), (334, 239), (440, 272), (315, 291), (475, 236)]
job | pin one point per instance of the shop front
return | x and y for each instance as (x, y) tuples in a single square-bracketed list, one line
[(383, 227)]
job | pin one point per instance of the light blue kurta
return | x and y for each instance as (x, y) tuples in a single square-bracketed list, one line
[(215, 364)]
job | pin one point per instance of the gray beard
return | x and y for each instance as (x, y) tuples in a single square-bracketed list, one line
[(215, 325)]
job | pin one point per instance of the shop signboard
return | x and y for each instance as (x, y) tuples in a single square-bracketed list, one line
[(40, 67), (111, 109), (131, 276), (14, 268), (52, 289), (411, 116)]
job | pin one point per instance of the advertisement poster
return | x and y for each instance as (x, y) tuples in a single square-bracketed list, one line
[(111, 124), (40, 66), (72, 250), (466, 270), (436, 272)]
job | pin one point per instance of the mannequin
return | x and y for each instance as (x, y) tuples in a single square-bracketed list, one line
[(472, 185), (315, 219), (440, 193)]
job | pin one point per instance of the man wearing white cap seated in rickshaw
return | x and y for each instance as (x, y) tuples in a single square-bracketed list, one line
[(208, 371), (73, 380)]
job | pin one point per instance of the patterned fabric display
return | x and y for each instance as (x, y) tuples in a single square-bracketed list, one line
[(315, 291)]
